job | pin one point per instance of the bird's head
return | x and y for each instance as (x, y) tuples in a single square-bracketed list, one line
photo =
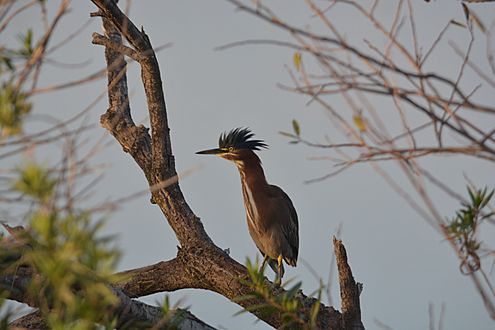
[(235, 145)]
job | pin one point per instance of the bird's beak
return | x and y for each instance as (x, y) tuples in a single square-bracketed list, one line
[(215, 151)]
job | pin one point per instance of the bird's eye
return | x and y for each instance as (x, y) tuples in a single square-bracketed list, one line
[(231, 149)]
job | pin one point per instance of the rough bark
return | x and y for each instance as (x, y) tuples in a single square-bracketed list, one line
[(33, 320), (349, 290)]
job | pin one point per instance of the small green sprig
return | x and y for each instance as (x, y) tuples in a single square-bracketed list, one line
[(74, 264), (14, 106), (275, 299), (463, 227)]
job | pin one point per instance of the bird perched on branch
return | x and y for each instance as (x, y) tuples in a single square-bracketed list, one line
[(271, 216)]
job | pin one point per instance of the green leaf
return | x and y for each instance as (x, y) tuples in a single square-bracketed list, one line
[(26, 43), (296, 127), (471, 194), (28, 40), (359, 122), (8, 62), (297, 59), (314, 311), (487, 199)]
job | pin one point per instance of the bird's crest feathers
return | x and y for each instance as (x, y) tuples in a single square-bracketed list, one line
[(240, 138)]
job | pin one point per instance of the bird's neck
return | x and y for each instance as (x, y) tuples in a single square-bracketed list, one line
[(252, 173), (255, 190)]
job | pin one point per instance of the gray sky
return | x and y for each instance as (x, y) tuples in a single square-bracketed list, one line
[(402, 262)]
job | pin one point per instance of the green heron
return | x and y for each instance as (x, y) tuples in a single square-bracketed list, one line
[(271, 216)]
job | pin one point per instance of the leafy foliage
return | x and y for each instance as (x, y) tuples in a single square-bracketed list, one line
[(26, 40), (24, 51), (35, 181), (14, 106), (282, 300), (172, 315), (463, 227), (75, 266), (72, 261)]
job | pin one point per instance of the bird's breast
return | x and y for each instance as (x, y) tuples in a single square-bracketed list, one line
[(253, 212)]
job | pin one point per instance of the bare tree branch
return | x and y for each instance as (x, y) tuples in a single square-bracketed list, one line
[(32, 320), (349, 289), (154, 155)]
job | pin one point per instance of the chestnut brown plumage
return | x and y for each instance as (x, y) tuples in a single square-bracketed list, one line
[(271, 216)]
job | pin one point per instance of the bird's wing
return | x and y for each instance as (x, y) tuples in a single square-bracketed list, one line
[(290, 228)]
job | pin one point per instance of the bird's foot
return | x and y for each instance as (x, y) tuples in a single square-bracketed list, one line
[(280, 271)]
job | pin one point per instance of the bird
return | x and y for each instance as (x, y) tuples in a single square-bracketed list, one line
[(270, 214)]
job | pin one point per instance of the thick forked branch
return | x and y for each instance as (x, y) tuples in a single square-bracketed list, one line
[(153, 155), (198, 268), (199, 262), (195, 267)]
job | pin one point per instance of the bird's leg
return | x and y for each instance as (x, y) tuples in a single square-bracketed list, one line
[(278, 279), (263, 264)]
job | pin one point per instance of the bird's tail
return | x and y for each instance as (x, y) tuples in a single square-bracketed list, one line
[(291, 261)]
